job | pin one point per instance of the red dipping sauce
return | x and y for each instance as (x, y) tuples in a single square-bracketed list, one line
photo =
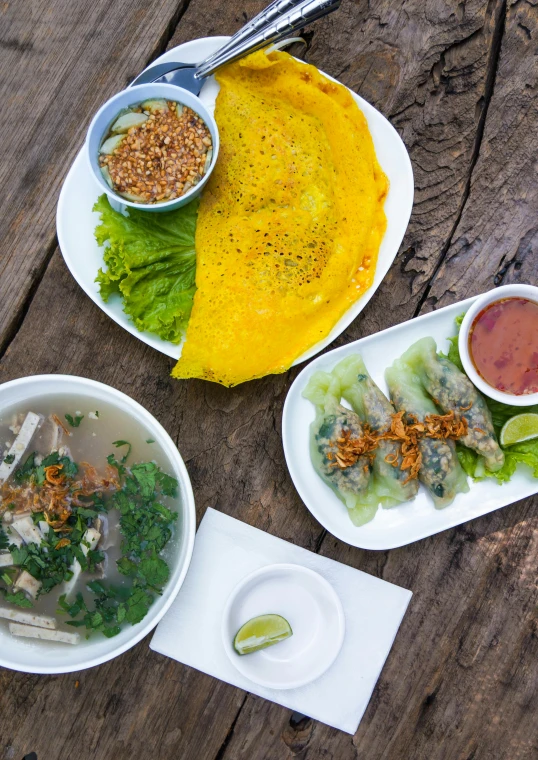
[(503, 343)]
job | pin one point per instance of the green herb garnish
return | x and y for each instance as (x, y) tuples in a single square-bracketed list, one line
[(74, 421), (145, 525), (151, 263), (9, 458), (18, 599), (117, 444)]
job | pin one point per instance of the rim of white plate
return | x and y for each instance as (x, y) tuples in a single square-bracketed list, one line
[(246, 664), (406, 523), (392, 156)]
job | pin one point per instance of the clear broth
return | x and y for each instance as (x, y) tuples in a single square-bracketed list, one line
[(92, 442)]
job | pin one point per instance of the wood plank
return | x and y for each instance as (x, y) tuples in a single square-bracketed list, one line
[(58, 63), (496, 241)]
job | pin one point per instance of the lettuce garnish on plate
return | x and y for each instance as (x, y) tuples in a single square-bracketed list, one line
[(524, 453), (151, 263)]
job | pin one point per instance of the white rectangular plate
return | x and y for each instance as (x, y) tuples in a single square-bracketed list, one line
[(75, 221), (413, 520)]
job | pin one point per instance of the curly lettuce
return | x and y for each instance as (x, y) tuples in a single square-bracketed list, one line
[(520, 453), (151, 263)]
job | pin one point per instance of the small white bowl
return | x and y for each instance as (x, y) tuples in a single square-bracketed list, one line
[(505, 291), (30, 656), (310, 605), (107, 114)]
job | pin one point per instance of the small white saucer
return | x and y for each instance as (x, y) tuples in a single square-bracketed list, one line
[(310, 605)]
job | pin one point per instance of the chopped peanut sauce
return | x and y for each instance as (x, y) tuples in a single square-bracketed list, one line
[(162, 158), (407, 434)]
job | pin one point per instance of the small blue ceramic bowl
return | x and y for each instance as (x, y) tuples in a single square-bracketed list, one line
[(107, 114)]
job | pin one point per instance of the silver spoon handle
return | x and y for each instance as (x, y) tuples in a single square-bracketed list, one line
[(303, 14), (267, 16)]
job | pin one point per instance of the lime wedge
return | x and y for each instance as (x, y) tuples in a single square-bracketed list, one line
[(261, 632), (520, 428)]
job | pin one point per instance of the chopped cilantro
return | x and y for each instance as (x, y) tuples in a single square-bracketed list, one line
[(18, 599), (150, 440), (145, 526), (117, 444), (23, 473), (9, 458), (96, 413), (74, 421), (155, 571), (111, 459), (30, 472)]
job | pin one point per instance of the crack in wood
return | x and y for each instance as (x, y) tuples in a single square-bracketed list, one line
[(228, 737), (493, 64), (168, 33)]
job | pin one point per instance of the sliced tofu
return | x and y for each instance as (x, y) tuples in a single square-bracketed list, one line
[(6, 560), (13, 537), (90, 539), (22, 441), (43, 528), (45, 634), (19, 616), (26, 529), (27, 583)]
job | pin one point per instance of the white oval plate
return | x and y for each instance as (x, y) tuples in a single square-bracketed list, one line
[(30, 656), (75, 221), (418, 518), (312, 608)]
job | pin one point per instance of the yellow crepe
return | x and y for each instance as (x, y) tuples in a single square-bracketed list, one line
[(290, 222)]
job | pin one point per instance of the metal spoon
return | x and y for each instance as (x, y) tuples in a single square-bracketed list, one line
[(191, 76)]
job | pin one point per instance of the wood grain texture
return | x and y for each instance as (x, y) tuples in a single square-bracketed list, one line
[(496, 241), (59, 61), (460, 682)]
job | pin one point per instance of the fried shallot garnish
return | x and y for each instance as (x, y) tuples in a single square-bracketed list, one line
[(53, 474), (58, 421), (407, 434), (443, 426), (349, 450)]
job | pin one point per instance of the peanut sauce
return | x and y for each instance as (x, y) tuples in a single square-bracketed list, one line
[(503, 343)]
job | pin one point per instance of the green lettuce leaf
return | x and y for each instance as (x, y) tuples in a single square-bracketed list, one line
[(151, 262), (520, 453)]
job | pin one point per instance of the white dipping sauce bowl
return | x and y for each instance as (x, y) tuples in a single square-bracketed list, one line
[(31, 656), (310, 605), (498, 294), (107, 114)]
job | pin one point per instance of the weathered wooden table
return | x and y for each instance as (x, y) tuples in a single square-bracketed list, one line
[(459, 80)]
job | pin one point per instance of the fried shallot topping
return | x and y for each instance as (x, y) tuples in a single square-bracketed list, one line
[(405, 432), (443, 426), (349, 449), (56, 495)]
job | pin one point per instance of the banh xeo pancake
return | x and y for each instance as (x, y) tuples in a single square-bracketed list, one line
[(290, 222)]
